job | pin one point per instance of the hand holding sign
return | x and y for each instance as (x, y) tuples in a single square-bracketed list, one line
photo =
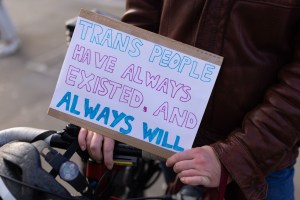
[(197, 166), (96, 143), (134, 86)]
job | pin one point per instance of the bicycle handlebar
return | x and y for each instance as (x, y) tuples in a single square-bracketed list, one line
[(24, 134), (28, 134), (58, 139)]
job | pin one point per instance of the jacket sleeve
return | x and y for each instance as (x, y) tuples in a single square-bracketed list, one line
[(275, 124), (143, 13)]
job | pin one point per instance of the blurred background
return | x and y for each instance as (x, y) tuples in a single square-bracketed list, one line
[(28, 77)]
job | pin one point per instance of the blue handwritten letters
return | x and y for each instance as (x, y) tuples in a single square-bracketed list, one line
[(105, 115), (110, 38)]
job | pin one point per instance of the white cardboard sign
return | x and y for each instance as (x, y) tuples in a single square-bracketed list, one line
[(134, 86)]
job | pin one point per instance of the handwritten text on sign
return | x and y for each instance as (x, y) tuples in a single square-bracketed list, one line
[(133, 86)]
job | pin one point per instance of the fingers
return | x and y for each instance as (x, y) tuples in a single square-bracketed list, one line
[(184, 165), (188, 173), (81, 138), (194, 177), (196, 180), (96, 143), (95, 146), (88, 140), (191, 174), (186, 155), (197, 166), (108, 150)]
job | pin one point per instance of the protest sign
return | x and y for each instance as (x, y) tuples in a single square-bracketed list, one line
[(134, 86)]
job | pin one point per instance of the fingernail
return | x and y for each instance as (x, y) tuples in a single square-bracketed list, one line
[(110, 167), (182, 180), (167, 164), (82, 148)]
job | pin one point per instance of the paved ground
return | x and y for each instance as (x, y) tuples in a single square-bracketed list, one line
[(28, 78)]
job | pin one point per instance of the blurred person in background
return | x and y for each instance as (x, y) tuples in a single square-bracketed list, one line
[(9, 40), (250, 128)]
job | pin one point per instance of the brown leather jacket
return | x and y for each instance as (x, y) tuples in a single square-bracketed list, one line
[(253, 117)]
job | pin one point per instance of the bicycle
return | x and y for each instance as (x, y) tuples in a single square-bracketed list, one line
[(23, 177)]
